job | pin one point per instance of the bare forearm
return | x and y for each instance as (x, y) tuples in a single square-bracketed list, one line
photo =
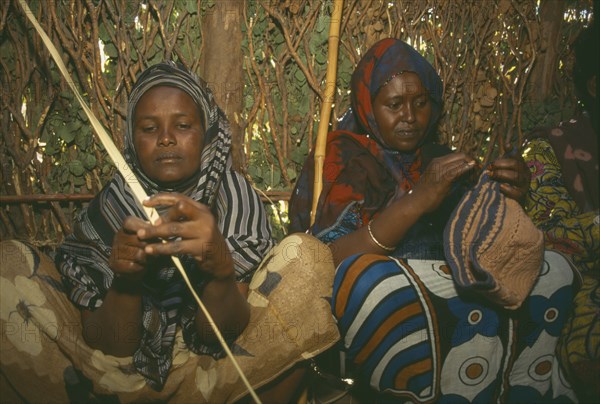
[(115, 328), (389, 229), (228, 308)]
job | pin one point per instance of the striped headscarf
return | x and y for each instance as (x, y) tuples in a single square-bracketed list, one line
[(83, 257)]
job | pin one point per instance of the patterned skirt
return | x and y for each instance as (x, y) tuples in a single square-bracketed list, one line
[(44, 359), (408, 331)]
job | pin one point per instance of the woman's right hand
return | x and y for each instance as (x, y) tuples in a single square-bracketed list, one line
[(439, 175), (128, 258)]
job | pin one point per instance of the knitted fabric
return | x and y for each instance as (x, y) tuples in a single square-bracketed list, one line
[(492, 247)]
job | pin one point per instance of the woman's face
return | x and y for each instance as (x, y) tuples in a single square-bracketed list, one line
[(402, 109), (168, 135)]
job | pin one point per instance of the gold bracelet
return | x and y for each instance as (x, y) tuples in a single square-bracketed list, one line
[(384, 247)]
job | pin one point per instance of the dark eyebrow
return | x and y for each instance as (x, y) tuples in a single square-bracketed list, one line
[(177, 114), (399, 97)]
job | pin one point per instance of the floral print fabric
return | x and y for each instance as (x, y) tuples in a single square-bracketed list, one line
[(42, 344), (567, 228)]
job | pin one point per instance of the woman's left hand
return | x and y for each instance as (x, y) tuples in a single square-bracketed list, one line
[(188, 227), (514, 176)]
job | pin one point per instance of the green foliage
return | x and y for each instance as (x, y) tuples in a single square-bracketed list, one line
[(545, 113), (75, 162)]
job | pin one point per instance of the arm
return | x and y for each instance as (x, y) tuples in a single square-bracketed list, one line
[(115, 327), (393, 222)]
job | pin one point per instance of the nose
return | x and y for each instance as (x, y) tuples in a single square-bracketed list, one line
[(165, 138), (407, 112)]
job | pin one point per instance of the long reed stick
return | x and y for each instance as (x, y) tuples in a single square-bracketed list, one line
[(326, 103), (135, 186)]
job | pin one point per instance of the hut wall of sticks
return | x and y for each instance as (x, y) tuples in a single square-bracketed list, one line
[(505, 65)]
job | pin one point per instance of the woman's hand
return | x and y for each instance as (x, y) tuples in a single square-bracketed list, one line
[(188, 227), (128, 258), (514, 176), (436, 181)]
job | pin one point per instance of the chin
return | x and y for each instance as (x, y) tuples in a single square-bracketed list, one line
[(406, 148)]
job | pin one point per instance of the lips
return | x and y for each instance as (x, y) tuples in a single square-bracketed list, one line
[(168, 157), (406, 133)]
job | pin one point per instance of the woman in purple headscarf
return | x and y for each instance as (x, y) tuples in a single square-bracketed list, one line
[(388, 191)]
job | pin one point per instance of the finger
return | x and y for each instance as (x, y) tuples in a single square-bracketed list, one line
[(502, 163), (161, 231), (511, 192), (127, 267), (167, 199), (177, 247), (132, 224), (520, 177), (510, 163), (185, 210), (122, 239), (459, 168), (130, 252)]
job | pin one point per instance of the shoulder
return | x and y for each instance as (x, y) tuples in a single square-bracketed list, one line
[(539, 149), (236, 187), (343, 146)]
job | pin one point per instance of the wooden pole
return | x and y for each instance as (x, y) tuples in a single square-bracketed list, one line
[(327, 103)]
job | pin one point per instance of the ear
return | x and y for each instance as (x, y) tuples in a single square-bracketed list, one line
[(591, 86)]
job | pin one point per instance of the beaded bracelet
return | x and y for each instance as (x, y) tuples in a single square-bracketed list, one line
[(384, 247)]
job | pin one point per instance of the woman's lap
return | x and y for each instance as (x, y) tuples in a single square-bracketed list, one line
[(411, 334), (42, 343)]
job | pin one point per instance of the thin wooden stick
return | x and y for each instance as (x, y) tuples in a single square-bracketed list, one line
[(326, 104), (129, 177)]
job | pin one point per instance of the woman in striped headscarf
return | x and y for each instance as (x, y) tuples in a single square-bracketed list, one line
[(139, 335), (117, 270), (388, 192)]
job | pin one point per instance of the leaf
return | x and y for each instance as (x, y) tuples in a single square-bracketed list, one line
[(320, 58), (110, 50), (89, 161), (83, 138), (252, 171), (191, 6), (291, 173), (63, 177), (276, 177), (45, 136), (76, 168), (322, 23), (249, 101), (299, 75), (66, 134), (50, 149)]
